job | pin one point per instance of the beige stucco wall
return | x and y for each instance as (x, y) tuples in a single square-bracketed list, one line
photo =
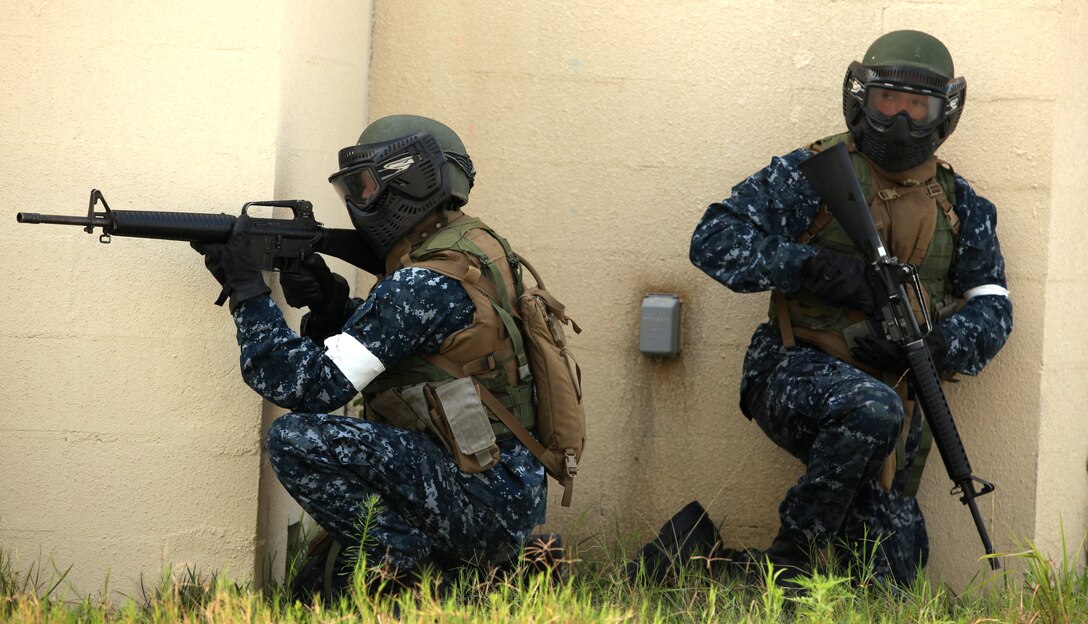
[(324, 59), (1063, 478), (127, 438), (600, 133)]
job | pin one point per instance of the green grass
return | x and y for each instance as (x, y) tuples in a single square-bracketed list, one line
[(587, 591)]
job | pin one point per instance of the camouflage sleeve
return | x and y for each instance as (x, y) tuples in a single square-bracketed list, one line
[(978, 331), (411, 310), (746, 240), (408, 311)]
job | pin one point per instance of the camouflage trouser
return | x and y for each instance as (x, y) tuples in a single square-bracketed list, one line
[(842, 424), (428, 508)]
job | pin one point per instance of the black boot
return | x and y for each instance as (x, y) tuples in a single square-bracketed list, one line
[(790, 562), (325, 570), (688, 535), (545, 554), (328, 570)]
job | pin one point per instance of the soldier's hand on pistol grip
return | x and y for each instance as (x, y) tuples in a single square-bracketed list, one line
[(324, 292), (880, 353)]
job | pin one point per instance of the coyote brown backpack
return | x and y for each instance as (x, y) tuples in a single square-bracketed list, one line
[(557, 379), (560, 417)]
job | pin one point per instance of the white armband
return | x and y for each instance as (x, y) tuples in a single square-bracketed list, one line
[(353, 359), (986, 289)]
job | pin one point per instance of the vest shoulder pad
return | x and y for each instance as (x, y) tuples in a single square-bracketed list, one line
[(946, 178), (830, 141)]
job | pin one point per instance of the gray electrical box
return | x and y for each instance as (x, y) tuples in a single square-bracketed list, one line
[(659, 329)]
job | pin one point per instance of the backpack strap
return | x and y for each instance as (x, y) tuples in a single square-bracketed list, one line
[(462, 234), (789, 340), (458, 266), (946, 181), (820, 221), (554, 306)]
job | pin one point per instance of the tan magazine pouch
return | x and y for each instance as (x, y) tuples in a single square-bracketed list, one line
[(452, 412), (461, 423)]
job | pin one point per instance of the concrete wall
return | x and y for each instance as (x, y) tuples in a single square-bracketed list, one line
[(127, 439), (325, 58), (1063, 479), (600, 132)]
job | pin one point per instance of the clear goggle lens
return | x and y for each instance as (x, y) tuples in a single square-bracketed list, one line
[(923, 109), (358, 184)]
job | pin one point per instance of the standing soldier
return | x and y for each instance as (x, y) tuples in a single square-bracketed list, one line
[(451, 486), (837, 403)]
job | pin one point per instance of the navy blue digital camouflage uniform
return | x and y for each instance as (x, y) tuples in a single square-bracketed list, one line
[(428, 508), (840, 422)]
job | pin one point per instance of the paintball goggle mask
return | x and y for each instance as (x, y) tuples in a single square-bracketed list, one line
[(902, 102), (899, 116), (391, 186)]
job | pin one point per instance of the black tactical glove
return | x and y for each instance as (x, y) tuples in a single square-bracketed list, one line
[(232, 264), (838, 280), (878, 352), (324, 292), (314, 286)]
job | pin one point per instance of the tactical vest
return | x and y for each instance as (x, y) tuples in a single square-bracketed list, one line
[(913, 213), (491, 348)]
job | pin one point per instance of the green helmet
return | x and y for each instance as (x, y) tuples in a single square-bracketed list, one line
[(462, 174), (404, 168), (910, 48), (902, 101)]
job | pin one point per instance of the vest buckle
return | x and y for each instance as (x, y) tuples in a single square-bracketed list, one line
[(472, 274), (478, 367), (888, 194), (933, 189), (570, 462)]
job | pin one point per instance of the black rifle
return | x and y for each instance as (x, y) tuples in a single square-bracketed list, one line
[(832, 175), (278, 244)]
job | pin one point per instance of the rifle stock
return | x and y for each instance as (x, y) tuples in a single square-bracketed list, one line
[(832, 176)]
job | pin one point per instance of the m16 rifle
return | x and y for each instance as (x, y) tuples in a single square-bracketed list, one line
[(832, 175), (278, 244)]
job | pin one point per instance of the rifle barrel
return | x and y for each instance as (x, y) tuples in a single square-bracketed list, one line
[(983, 534), (33, 217)]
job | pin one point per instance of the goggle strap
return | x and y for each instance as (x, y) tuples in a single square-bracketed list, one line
[(464, 163)]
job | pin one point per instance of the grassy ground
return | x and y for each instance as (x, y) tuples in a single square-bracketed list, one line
[(1044, 591)]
